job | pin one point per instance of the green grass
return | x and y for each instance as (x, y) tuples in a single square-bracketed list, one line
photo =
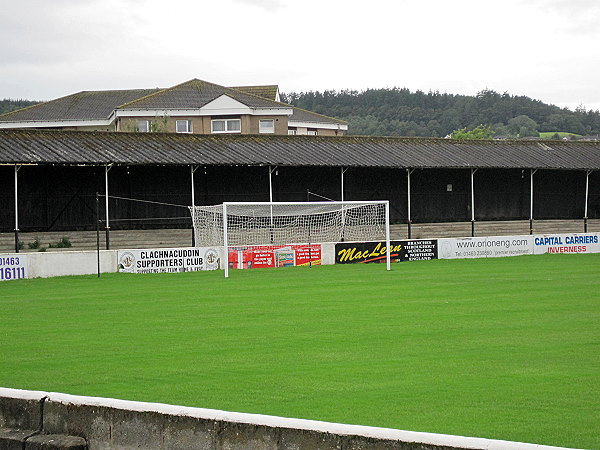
[(504, 348), (561, 134)]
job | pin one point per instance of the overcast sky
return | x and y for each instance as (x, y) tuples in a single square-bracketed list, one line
[(545, 49)]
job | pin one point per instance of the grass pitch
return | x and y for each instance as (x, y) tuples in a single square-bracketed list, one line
[(505, 348)]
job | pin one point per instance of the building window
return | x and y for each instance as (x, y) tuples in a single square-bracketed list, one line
[(143, 126), (183, 126), (311, 131), (226, 125), (292, 131), (266, 126)]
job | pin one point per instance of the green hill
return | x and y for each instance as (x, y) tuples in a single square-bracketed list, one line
[(8, 105), (400, 112)]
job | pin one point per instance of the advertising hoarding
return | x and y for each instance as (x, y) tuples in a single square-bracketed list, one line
[(257, 256), (485, 247), (566, 243), (168, 260), (376, 252), (13, 267)]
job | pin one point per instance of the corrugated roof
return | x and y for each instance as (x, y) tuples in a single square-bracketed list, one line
[(86, 105), (94, 148)]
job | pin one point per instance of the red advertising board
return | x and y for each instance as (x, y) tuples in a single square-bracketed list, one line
[(257, 256)]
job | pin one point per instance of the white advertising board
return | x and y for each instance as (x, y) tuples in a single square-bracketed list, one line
[(566, 243), (13, 267), (485, 247), (168, 260)]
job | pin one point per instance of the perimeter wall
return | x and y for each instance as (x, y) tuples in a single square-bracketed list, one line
[(40, 420), (172, 260)]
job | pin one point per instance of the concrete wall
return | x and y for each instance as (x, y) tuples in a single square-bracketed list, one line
[(56, 264), (108, 423)]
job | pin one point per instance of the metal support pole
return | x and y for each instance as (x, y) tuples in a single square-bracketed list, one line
[(388, 256), (271, 170), (192, 171), (408, 172), (107, 225), (473, 202), (342, 172), (226, 240), (17, 167), (587, 193), (532, 173), (98, 231)]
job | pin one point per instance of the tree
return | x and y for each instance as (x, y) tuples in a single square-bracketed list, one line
[(523, 126), (479, 132)]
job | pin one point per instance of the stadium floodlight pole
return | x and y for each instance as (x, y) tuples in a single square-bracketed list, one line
[(388, 255), (17, 167), (532, 173), (408, 172), (225, 240), (473, 202), (587, 193)]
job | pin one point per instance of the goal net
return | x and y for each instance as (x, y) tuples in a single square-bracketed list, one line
[(280, 223)]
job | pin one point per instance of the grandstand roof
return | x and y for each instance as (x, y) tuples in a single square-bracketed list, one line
[(99, 148)]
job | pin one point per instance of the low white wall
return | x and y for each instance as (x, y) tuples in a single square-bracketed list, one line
[(328, 253), (56, 264), (110, 423)]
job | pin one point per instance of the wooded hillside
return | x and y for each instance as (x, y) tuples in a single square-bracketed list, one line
[(8, 105), (400, 112)]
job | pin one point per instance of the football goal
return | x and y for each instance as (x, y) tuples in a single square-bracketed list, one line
[(236, 224)]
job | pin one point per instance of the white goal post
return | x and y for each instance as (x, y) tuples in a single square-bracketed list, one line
[(234, 224)]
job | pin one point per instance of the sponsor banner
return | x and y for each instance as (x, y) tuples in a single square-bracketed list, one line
[(13, 267), (485, 247), (257, 256), (566, 243), (375, 252), (169, 260)]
